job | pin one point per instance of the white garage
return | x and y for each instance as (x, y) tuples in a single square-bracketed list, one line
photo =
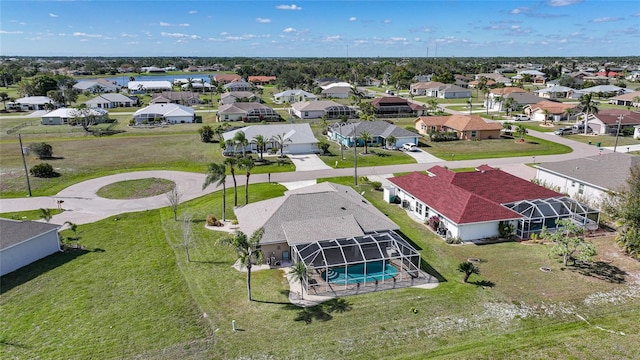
[(23, 242)]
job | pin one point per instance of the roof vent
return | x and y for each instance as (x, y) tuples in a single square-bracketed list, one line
[(343, 208)]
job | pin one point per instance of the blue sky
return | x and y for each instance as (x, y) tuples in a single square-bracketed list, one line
[(320, 28)]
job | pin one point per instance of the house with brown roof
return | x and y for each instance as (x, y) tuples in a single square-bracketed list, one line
[(227, 78), (176, 97), (473, 205), (393, 106), (466, 127), (606, 121), (628, 99), (238, 96), (497, 96), (247, 112), (556, 110), (420, 88), (261, 80)]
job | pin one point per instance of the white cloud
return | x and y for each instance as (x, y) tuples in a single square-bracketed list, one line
[(180, 35), (331, 38), (224, 33), (417, 39), (426, 29), (132, 43), (85, 35), (289, 30), (263, 20), (397, 38), (10, 32), (53, 15), (387, 21), (184, 25), (162, 23), (556, 3), (353, 18), (519, 10), (606, 19), (193, 12), (129, 35), (288, 7)]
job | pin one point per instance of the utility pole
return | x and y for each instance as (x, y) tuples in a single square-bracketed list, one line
[(24, 163), (618, 131)]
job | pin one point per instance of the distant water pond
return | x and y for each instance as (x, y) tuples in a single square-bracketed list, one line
[(124, 80)]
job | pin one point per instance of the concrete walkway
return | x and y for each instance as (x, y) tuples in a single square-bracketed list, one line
[(307, 162)]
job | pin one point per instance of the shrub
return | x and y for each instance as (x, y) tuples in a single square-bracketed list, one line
[(434, 222), (42, 150), (453, 240), (412, 129), (376, 185), (212, 221), (234, 222), (206, 134), (43, 170)]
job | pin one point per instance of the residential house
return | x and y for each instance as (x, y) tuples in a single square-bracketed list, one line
[(293, 96), (322, 108), (227, 78), (606, 89), (497, 96), (31, 103), (196, 86), (299, 138), (628, 99), (330, 228), (262, 80), (98, 86), (547, 109), (559, 92), (598, 80), (110, 101), (142, 87), (336, 92), (473, 205), (590, 178), (23, 242), (164, 113), (420, 88), (466, 127), (238, 96), (238, 86), (247, 112), (63, 116), (448, 91), (606, 120), (176, 97), (379, 131), (393, 106)]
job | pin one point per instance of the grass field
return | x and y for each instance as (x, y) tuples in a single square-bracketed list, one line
[(148, 301), (28, 215), (495, 148), (605, 140), (375, 156), (136, 189)]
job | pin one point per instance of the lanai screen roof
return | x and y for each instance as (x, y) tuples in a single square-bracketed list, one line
[(552, 207)]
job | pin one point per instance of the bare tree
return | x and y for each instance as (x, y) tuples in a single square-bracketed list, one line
[(174, 197)]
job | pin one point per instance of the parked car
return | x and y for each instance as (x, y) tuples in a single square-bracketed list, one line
[(520, 117), (565, 131), (410, 147)]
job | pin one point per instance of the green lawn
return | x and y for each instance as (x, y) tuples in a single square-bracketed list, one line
[(147, 301), (495, 148), (28, 215), (605, 140), (375, 156), (136, 189)]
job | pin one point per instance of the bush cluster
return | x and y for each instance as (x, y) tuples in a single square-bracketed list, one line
[(43, 170)]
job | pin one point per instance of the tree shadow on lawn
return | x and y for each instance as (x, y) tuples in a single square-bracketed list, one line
[(320, 312), (35, 269), (424, 265), (600, 270), (483, 283)]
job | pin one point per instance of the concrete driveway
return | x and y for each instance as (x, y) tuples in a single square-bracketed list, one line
[(308, 162), (423, 157)]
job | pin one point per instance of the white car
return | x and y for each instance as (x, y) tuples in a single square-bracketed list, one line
[(410, 147), (520, 117)]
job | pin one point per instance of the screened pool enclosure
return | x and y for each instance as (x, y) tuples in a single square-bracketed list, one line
[(372, 262), (545, 213)]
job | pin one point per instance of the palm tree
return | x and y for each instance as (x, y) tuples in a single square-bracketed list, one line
[(217, 173), (299, 272), (281, 139), (521, 131), (432, 105), (324, 125), (246, 164), (247, 250), (468, 268), (356, 95), (74, 228), (546, 114), (365, 137), (45, 214), (4, 97), (509, 104), (232, 162), (260, 142), (470, 103), (241, 140), (390, 140), (636, 101), (587, 106)]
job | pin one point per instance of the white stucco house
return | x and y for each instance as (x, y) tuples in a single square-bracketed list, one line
[(299, 138), (319, 108), (67, 115), (589, 178), (23, 242), (473, 205), (31, 103), (164, 113), (109, 101), (141, 87), (293, 96)]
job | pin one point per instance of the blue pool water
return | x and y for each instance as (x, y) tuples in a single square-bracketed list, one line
[(353, 274)]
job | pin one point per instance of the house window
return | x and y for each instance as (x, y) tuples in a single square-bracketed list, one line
[(581, 189), (419, 208), (474, 133), (573, 184)]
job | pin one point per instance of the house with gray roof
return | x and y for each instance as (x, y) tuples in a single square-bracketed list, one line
[(97, 86), (322, 108), (23, 242), (590, 178), (247, 112), (350, 244), (380, 131), (109, 101), (299, 138), (238, 96), (293, 96)]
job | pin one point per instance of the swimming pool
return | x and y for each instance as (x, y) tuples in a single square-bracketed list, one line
[(377, 270)]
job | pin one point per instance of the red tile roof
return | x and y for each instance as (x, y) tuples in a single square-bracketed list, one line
[(472, 196), (610, 116)]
